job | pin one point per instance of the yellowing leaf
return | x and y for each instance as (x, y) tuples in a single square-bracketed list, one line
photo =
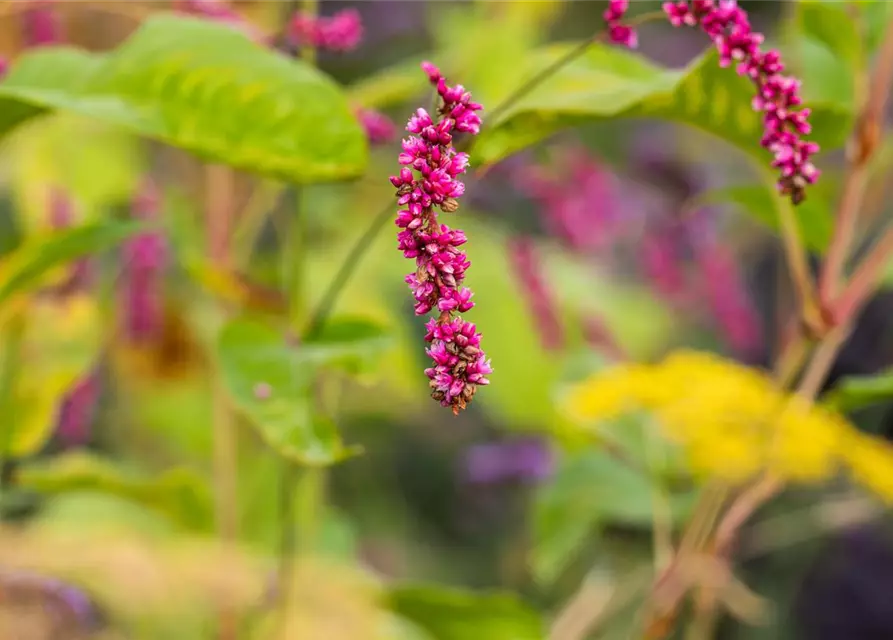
[(62, 338)]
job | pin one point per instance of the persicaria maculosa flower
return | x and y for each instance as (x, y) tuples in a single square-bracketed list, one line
[(428, 181), (77, 411), (777, 96), (618, 32), (341, 33)]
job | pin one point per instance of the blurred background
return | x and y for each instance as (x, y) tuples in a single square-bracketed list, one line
[(613, 241)]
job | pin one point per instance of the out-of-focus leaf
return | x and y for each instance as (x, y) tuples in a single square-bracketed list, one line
[(347, 341), (814, 216), (269, 380), (451, 614), (61, 341), (234, 288), (589, 490), (25, 267), (178, 493), (875, 16), (390, 86), (608, 83), (855, 392), (206, 88), (92, 164)]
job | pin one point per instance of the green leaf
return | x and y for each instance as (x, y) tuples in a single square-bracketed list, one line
[(855, 392), (206, 88), (347, 341), (825, 50), (814, 215), (389, 86), (24, 268), (589, 490), (269, 380), (177, 493), (875, 16), (451, 614), (610, 83)]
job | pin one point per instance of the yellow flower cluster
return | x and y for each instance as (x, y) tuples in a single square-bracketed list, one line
[(733, 422)]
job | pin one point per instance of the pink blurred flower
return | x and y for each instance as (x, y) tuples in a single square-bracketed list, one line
[(723, 287), (525, 264), (579, 197), (220, 11), (378, 127), (145, 257), (41, 24), (77, 412), (341, 32)]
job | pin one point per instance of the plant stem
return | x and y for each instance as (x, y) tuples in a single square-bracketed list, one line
[(861, 149), (865, 279), (219, 201), (296, 536)]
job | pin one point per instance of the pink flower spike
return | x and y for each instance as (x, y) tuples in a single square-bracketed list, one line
[(777, 96), (427, 181)]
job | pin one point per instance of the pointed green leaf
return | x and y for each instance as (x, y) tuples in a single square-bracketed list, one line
[(206, 88), (178, 493), (451, 614), (609, 82), (855, 392), (269, 380), (25, 267)]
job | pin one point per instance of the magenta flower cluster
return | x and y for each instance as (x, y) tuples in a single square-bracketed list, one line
[(379, 128), (145, 257), (341, 32), (777, 96), (618, 32), (429, 180)]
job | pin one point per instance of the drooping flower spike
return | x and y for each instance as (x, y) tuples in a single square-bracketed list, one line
[(777, 96), (427, 181)]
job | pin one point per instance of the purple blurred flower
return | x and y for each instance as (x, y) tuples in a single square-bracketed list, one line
[(77, 412), (61, 596), (525, 264), (41, 24), (4, 66), (777, 96), (460, 366), (527, 459), (379, 128), (145, 257), (341, 32)]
